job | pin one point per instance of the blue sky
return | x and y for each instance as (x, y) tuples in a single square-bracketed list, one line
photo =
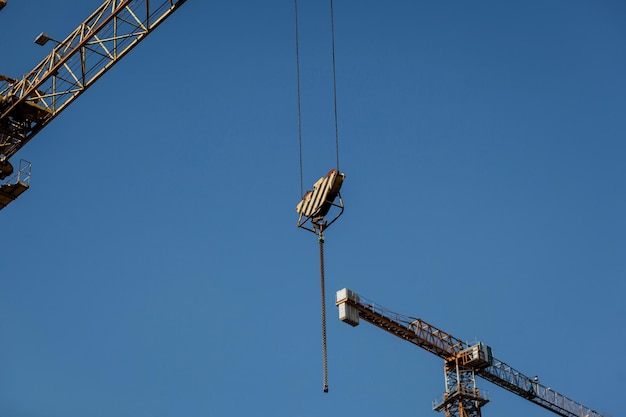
[(154, 267)]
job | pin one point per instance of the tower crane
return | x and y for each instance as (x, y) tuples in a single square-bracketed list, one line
[(28, 104), (462, 362)]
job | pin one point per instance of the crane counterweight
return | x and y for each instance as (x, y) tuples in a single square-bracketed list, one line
[(347, 312)]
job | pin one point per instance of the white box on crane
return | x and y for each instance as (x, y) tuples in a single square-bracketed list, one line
[(478, 356), (348, 313)]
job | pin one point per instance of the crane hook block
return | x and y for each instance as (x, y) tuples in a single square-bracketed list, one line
[(316, 204)]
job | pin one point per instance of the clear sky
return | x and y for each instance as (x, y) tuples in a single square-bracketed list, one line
[(154, 268)]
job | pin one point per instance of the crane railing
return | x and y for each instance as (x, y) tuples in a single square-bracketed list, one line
[(409, 328), (30, 103), (505, 376), (446, 346)]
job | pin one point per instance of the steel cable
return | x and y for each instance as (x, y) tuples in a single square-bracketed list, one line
[(332, 32), (299, 96)]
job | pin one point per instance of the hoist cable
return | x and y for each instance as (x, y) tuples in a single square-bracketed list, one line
[(323, 291), (299, 94), (299, 100), (320, 230), (332, 32)]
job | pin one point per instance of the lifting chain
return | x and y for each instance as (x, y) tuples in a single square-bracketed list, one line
[(323, 291)]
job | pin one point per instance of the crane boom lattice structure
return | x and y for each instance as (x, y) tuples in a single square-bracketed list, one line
[(462, 362), (28, 104)]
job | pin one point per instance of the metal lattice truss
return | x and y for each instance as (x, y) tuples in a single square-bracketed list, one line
[(28, 104), (450, 348), (505, 376), (462, 397)]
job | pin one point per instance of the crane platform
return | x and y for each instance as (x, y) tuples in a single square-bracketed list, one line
[(15, 185), (9, 192)]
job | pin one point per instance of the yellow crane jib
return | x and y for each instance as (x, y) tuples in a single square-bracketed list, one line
[(316, 204), (462, 362), (29, 104)]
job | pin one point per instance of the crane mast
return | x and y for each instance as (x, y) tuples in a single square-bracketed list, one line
[(28, 104), (462, 362)]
